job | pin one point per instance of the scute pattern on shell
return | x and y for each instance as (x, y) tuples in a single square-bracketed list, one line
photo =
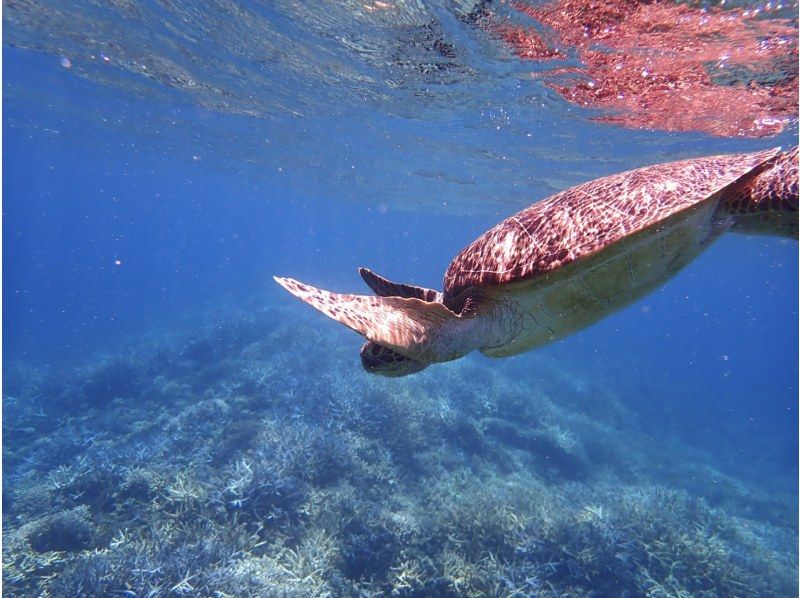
[(583, 220)]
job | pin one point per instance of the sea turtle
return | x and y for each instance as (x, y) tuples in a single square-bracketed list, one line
[(567, 261)]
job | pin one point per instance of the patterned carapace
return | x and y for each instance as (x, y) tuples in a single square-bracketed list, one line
[(580, 221)]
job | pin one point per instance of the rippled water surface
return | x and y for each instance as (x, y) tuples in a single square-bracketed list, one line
[(282, 89)]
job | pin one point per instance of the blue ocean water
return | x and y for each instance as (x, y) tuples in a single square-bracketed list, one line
[(162, 161)]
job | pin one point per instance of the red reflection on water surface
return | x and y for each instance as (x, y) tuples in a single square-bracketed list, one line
[(661, 65)]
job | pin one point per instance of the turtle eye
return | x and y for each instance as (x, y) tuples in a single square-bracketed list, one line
[(376, 350)]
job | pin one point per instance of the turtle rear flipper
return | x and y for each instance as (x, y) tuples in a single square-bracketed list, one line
[(422, 330), (385, 361), (386, 288)]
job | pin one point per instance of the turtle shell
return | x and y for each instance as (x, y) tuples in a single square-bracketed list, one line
[(584, 220)]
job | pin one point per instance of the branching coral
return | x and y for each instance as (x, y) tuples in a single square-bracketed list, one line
[(313, 485)]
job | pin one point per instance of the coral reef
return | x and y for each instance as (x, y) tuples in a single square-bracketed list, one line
[(255, 459)]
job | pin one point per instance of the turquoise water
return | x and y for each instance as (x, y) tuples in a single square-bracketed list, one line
[(176, 424)]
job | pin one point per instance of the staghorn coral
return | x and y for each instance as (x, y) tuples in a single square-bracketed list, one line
[(459, 484)]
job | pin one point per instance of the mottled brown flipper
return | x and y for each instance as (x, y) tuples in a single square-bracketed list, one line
[(412, 326), (767, 202), (377, 359), (386, 288)]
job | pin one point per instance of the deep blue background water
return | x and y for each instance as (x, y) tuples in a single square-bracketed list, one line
[(201, 208)]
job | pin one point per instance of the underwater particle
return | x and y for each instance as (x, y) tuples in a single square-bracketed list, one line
[(383, 208), (65, 62), (117, 262)]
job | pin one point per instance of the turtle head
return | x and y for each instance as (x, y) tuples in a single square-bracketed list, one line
[(384, 361)]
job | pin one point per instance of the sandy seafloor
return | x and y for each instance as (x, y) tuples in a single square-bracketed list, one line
[(174, 424)]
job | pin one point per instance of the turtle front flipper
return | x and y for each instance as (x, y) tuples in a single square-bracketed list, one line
[(386, 288), (423, 330), (766, 202)]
